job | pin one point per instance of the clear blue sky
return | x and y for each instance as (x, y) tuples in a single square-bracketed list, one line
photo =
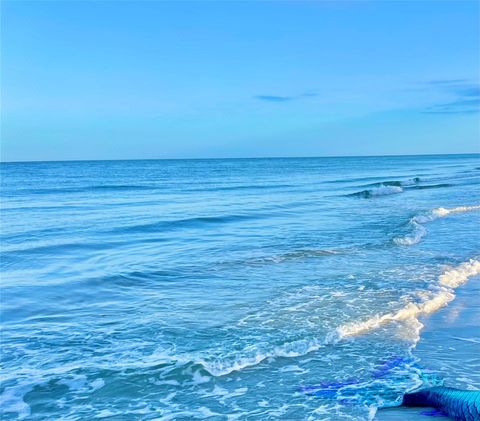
[(118, 80)]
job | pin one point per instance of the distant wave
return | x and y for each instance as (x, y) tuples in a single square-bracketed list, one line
[(353, 180), (194, 222), (122, 187), (376, 181), (398, 183), (291, 255), (243, 187), (418, 231), (443, 293), (82, 189), (381, 190), (56, 248), (395, 186), (385, 188), (114, 187), (431, 186)]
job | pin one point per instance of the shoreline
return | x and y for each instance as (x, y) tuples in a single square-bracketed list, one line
[(449, 347)]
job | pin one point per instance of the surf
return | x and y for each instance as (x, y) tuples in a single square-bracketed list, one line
[(416, 223), (432, 300)]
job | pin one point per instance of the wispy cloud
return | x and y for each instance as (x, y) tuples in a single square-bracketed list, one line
[(274, 98), (465, 97), (278, 98), (448, 82), (455, 107)]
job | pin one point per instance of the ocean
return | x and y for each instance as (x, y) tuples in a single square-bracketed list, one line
[(231, 289)]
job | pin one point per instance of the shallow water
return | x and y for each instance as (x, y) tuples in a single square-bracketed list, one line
[(228, 289)]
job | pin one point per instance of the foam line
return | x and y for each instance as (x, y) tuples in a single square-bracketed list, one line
[(417, 222), (442, 293), (445, 292), (440, 212)]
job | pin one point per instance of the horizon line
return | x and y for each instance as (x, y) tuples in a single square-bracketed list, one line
[(232, 158)]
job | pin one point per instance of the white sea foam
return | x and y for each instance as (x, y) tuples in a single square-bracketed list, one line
[(97, 384), (419, 231), (428, 302), (455, 277), (384, 190), (199, 379), (12, 401), (443, 293), (444, 212), (380, 190), (222, 367)]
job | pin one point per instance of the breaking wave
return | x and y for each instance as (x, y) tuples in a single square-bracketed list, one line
[(428, 301), (298, 348), (418, 231), (443, 292), (395, 186), (381, 190), (444, 212)]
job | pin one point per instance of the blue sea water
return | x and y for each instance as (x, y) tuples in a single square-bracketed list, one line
[(249, 289)]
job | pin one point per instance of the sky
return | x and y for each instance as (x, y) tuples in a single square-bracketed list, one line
[(180, 79)]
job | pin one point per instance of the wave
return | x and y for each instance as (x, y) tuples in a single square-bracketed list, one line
[(429, 301), (82, 189), (195, 222), (54, 249), (298, 348), (289, 256), (244, 187), (197, 368), (381, 190), (431, 186), (114, 187), (398, 183), (419, 231), (393, 187), (386, 187), (444, 212), (378, 181), (352, 180), (432, 301)]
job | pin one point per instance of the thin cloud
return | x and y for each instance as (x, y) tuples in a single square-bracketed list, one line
[(456, 107), (278, 98), (466, 97), (308, 94), (446, 82), (274, 98), (470, 91)]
